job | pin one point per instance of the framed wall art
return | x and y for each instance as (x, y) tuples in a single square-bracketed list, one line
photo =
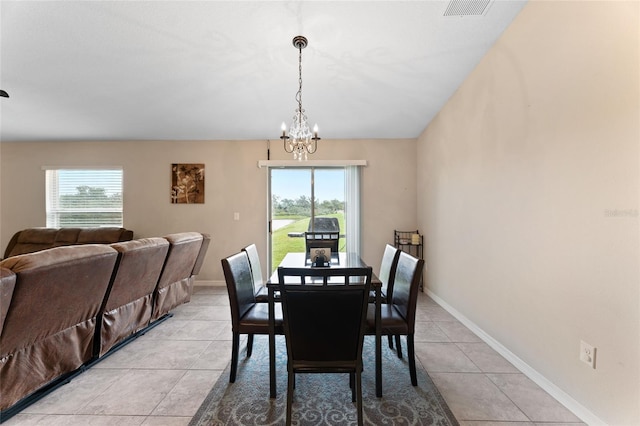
[(187, 183)]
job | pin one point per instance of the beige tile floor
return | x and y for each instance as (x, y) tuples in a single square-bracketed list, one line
[(162, 377)]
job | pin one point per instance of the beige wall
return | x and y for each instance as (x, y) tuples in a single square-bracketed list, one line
[(234, 183), (528, 191)]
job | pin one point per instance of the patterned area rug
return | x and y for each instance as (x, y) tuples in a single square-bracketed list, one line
[(322, 399)]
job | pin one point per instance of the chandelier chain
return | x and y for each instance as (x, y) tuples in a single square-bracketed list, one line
[(299, 94)]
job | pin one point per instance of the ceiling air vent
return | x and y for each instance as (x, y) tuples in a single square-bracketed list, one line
[(467, 7)]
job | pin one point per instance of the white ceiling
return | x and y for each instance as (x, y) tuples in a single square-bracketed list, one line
[(227, 70)]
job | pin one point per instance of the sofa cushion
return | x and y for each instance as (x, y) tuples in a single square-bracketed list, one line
[(183, 252), (36, 239), (38, 235), (139, 266), (33, 239), (129, 304), (101, 235), (176, 282), (67, 236)]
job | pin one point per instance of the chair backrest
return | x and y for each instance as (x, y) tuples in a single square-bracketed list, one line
[(328, 240), (388, 268), (406, 285), (324, 276), (254, 262), (237, 274), (324, 324)]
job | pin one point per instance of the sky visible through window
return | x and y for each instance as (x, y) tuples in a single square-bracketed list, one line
[(292, 183)]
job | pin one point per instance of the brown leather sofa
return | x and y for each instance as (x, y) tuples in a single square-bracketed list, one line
[(186, 254), (50, 324), (63, 309), (35, 239), (128, 304)]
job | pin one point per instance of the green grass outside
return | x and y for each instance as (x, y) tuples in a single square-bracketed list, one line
[(283, 244)]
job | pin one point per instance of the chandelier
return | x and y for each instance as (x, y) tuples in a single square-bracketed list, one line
[(300, 141)]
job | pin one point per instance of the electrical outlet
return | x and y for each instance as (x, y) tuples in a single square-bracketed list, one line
[(588, 354), (236, 216)]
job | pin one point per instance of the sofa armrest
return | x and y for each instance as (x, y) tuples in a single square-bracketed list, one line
[(7, 285), (202, 254), (12, 242)]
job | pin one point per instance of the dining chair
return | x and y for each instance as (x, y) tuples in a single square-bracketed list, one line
[(398, 317), (247, 316), (324, 324), (259, 287), (387, 275), (328, 240)]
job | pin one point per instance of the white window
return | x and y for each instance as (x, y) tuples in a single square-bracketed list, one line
[(83, 198)]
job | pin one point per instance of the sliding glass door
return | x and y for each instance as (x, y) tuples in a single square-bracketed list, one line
[(305, 199)]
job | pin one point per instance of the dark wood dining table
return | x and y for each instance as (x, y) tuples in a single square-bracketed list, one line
[(342, 260)]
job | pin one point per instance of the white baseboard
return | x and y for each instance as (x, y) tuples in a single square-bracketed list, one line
[(561, 396)]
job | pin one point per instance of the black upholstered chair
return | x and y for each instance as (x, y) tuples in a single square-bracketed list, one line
[(260, 289), (398, 318), (324, 324), (387, 275), (247, 316)]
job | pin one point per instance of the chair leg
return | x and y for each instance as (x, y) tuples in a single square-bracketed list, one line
[(290, 385), (412, 360), (398, 346), (390, 341), (359, 397), (249, 345), (235, 344), (353, 388)]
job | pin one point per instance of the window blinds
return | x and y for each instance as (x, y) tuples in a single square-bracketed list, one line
[(83, 198)]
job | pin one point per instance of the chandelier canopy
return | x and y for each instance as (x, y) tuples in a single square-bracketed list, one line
[(300, 141)]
